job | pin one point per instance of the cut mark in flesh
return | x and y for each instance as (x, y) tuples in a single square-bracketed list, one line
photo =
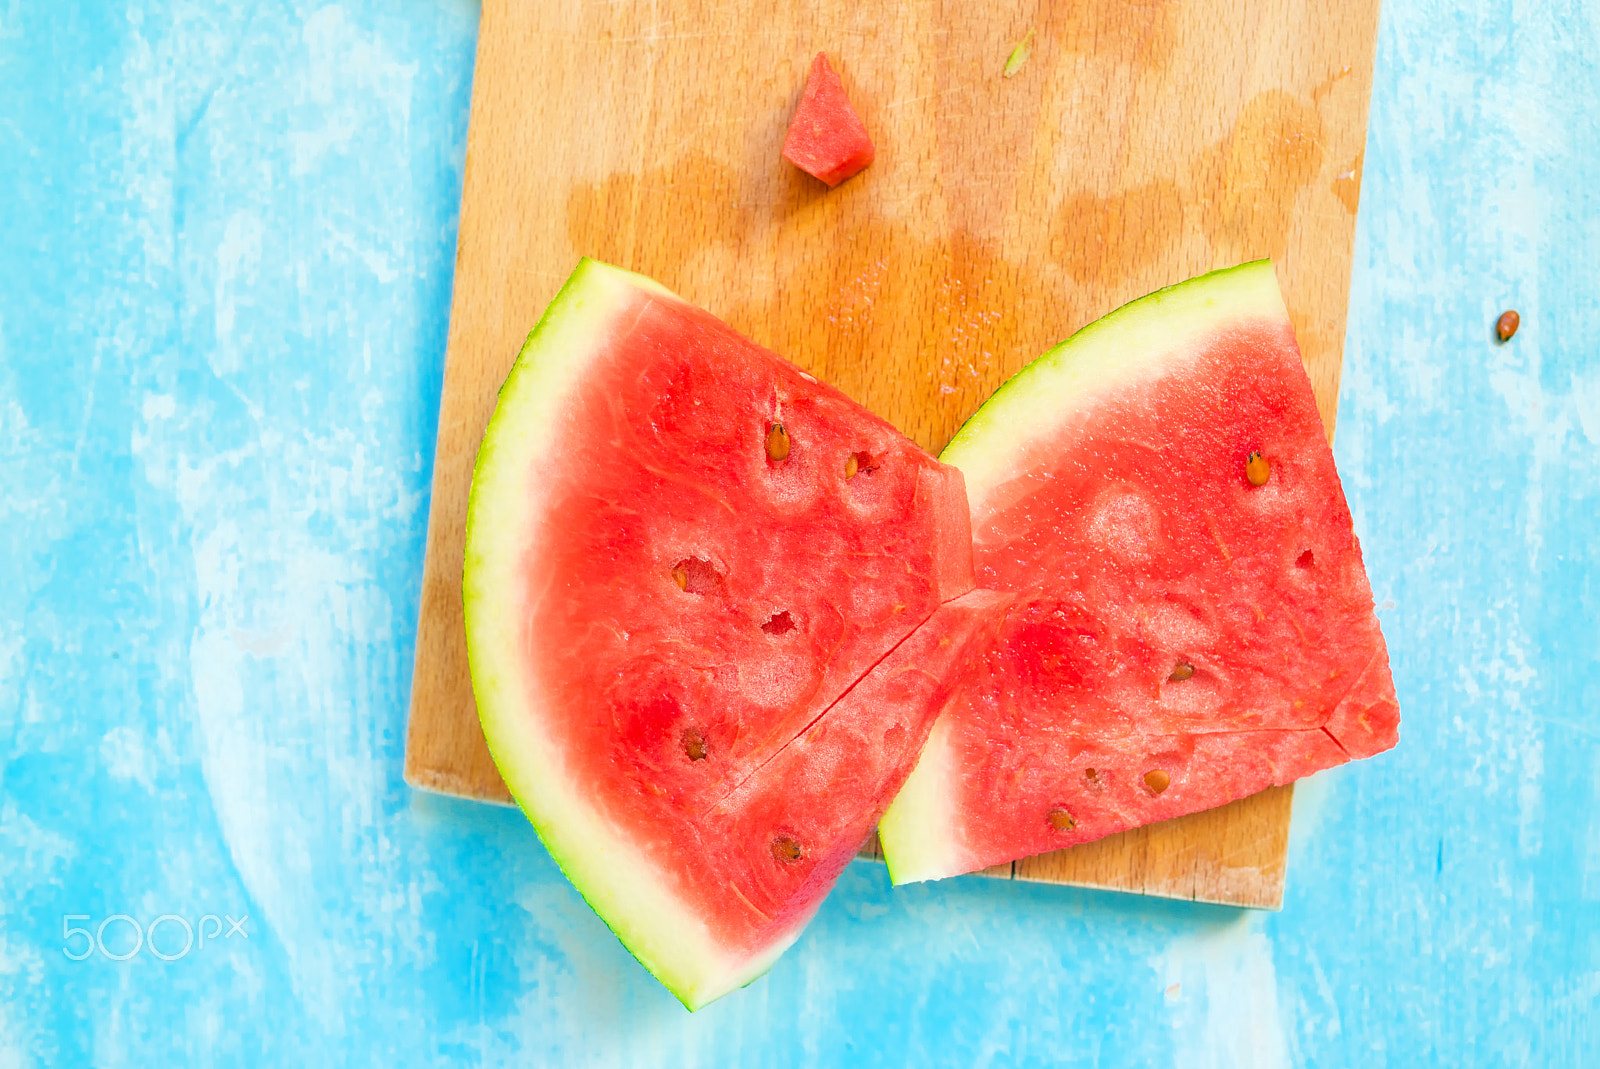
[(780, 624), (1305, 560), (814, 721)]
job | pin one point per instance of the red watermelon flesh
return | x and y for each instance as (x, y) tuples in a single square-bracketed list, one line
[(826, 137), (664, 610), (824, 792), (1185, 635)]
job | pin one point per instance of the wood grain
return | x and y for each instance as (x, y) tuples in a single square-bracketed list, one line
[(1141, 143)]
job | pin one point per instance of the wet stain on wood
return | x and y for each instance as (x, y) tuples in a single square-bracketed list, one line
[(1347, 187)]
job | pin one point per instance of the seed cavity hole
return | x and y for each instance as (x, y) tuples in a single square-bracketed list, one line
[(694, 744), (780, 624), (1157, 780), (695, 575), (859, 464), (786, 850), (1061, 819), (777, 443), (1305, 560)]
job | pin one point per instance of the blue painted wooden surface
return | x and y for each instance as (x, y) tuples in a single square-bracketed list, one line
[(226, 237)]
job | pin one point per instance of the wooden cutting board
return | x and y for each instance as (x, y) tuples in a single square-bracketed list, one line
[(1140, 143)]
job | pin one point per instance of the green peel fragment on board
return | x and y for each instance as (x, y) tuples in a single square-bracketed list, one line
[(1019, 55)]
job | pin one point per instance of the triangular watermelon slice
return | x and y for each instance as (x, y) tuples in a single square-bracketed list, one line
[(694, 578), (1193, 622)]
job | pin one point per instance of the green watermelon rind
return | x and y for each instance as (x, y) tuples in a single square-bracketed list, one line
[(1139, 340), (1143, 339), (656, 928)]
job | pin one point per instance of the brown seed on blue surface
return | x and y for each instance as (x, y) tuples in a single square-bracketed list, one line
[(1507, 325)]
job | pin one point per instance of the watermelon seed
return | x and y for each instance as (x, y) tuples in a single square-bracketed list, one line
[(859, 463), (1091, 775), (694, 744), (777, 443), (680, 574), (785, 849), (1185, 670), (1257, 470), (1157, 780), (1304, 560), (1507, 325), (1061, 820), (780, 624)]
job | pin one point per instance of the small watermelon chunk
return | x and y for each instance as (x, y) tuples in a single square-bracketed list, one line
[(1193, 621), (689, 601), (826, 138)]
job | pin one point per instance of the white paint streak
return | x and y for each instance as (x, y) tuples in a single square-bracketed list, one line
[(35, 850), (238, 255), (21, 968), (349, 73), (1589, 849), (278, 668), (1586, 404), (158, 406), (1312, 797), (126, 757), (1225, 1013)]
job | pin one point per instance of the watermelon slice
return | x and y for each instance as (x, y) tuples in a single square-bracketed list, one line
[(703, 606), (1193, 621), (826, 137)]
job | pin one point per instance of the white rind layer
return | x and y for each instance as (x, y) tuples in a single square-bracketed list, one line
[(1139, 342), (665, 935), (919, 820)]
